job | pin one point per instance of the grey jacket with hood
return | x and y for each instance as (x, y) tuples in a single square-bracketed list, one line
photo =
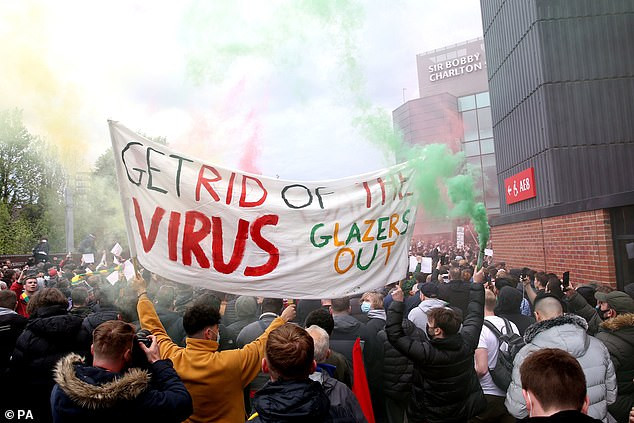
[(418, 315), (347, 330), (568, 332)]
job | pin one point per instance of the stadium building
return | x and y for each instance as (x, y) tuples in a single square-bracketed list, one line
[(561, 83), (453, 108)]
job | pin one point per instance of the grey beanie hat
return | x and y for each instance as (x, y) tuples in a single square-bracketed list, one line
[(246, 306)]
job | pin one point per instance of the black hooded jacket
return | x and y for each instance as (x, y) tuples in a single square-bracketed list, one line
[(11, 326), (90, 323), (50, 334), (445, 385), (291, 401), (456, 293), (508, 306), (347, 330)]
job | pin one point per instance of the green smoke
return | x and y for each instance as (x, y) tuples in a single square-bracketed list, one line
[(438, 171), (221, 34)]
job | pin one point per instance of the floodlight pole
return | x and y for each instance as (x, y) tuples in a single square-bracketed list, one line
[(70, 230)]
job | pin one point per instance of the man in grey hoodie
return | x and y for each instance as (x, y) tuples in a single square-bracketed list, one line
[(428, 292), (347, 328)]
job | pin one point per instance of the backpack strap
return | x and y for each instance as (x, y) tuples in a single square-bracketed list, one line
[(493, 329), (509, 328)]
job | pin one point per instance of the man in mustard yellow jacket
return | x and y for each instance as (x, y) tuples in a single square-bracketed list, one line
[(215, 379)]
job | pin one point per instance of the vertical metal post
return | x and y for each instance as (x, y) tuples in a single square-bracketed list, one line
[(70, 230)]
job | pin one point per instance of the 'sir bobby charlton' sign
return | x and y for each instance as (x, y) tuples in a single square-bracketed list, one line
[(520, 186), (231, 231)]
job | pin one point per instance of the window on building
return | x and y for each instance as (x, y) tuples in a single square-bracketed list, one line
[(622, 222), (482, 99), (479, 148), (486, 146), (489, 175), (470, 125), (476, 164), (484, 122), (466, 103), (471, 148)]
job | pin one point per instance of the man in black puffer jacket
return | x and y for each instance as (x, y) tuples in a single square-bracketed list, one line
[(50, 334), (397, 374), (11, 326), (446, 387), (456, 291), (104, 310)]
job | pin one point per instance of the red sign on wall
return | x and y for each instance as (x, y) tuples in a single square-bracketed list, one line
[(520, 186)]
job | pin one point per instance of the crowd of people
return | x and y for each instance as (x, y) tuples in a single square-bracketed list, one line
[(455, 345)]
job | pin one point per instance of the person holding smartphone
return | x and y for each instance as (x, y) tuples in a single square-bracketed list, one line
[(445, 381)]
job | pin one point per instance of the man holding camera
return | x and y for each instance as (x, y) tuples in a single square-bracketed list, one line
[(109, 391)]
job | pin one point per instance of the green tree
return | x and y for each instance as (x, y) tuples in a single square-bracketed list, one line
[(32, 203), (31, 181)]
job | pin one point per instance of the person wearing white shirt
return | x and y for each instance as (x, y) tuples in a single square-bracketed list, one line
[(486, 356)]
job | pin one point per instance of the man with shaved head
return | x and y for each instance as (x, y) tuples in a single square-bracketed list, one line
[(548, 308), (554, 329)]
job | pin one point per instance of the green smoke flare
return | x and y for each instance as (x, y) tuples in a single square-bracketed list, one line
[(437, 169), (222, 33)]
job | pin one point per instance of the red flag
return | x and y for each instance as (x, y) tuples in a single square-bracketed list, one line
[(360, 384)]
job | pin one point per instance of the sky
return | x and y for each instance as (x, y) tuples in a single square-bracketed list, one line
[(269, 87)]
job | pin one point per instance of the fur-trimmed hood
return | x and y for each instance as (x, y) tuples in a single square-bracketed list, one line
[(619, 322), (100, 389), (567, 332)]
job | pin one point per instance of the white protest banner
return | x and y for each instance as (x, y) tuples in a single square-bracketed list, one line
[(236, 232), (488, 252), (117, 249), (88, 258), (412, 263), (113, 277), (460, 236), (426, 264), (128, 270)]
